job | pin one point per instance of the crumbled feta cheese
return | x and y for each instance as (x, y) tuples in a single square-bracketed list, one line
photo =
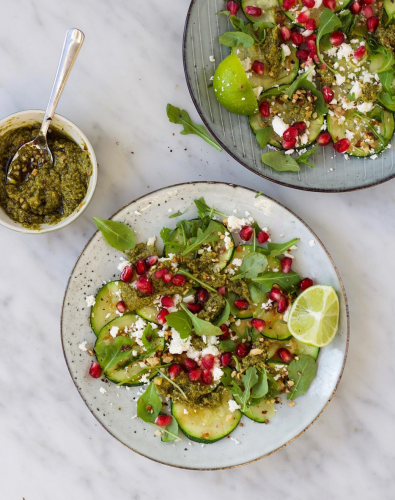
[(349, 135), (212, 59), (151, 241), (114, 331), (90, 300), (102, 390), (286, 50), (82, 346), (373, 157), (217, 373), (317, 4), (279, 126), (257, 91), (186, 411), (235, 440), (340, 79), (365, 107), (246, 63), (233, 406), (136, 212), (189, 299), (235, 223), (177, 344), (237, 262), (312, 243), (356, 89)]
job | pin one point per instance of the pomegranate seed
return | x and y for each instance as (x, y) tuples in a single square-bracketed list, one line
[(311, 45), (328, 93), (121, 306), (241, 350), (160, 273), (342, 145), (286, 264), (262, 237), (289, 144), (163, 420), (201, 295), (264, 108), (359, 53), (356, 8), (311, 24), (297, 38), (194, 375), (282, 305), (289, 4), (221, 290), (224, 328), (372, 24), (207, 377), (232, 6), (241, 304), (367, 11), (141, 267), (179, 280), (246, 233), (305, 283), (226, 333), (151, 260), (195, 308), (330, 4), (303, 17), (258, 67), (314, 56), (161, 318), (258, 324), (290, 134), (308, 3), (167, 301), (300, 126), (275, 294), (168, 277), (208, 361), (285, 33), (302, 55), (253, 11), (144, 285), (225, 358), (174, 370), (324, 139), (337, 38), (284, 355), (95, 370), (368, 2), (313, 36), (127, 274), (189, 364)]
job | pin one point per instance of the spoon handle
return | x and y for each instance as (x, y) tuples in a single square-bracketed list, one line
[(71, 47)]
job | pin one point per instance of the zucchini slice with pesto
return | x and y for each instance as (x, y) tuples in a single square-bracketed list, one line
[(104, 310), (294, 346), (315, 12), (261, 412), (276, 327), (268, 10)]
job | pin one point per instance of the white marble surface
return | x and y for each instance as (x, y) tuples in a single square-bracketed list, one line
[(52, 447)]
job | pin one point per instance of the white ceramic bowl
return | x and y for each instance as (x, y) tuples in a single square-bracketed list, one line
[(30, 117)]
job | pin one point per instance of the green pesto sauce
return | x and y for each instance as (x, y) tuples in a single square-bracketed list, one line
[(141, 251), (53, 192), (369, 92), (272, 52), (386, 36)]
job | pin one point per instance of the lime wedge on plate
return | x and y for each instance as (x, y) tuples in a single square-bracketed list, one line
[(232, 87), (314, 317)]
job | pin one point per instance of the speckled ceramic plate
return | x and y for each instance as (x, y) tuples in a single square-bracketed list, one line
[(332, 172), (99, 262)]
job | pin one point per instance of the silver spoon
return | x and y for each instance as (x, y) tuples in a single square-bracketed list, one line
[(35, 153)]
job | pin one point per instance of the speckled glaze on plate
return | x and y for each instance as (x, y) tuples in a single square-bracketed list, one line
[(333, 173), (98, 262)]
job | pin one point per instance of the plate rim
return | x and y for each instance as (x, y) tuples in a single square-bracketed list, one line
[(347, 314), (230, 153)]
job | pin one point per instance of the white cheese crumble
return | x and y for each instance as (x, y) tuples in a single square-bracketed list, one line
[(365, 107), (257, 91), (177, 344), (312, 243), (90, 300), (233, 406), (217, 373), (286, 50), (279, 126), (211, 59), (237, 262), (82, 346), (340, 79), (102, 390), (151, 241), (234, 223), (114, 331), (246, 63)]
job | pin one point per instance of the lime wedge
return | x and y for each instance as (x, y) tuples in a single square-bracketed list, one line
[(232, 87), (314, 317)]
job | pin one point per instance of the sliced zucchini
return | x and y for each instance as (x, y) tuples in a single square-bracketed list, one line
[(294, 346), (105, 309), (261, 412), (269, 10), (389, 7), (243, 250), (276, 327), (314, 13), (286, 76), (119, 356), (235, 311), (364, 142), (206, 425), (149, 313), (242, 326)]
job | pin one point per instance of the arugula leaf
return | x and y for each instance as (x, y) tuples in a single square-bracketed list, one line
[(202, 327), (280, 162), (260, 193), (110, 354), (170, 432), (303, 82), (235, 38), (166, 234), (223, 12), (256, 30), (181, 322), (226, 378), (287, 281), (249, 379), (258, 292), (388, 100), (227, 345), (365, 119), (149, 336), (210, 235), (304, 156), (262, 136), (387, 81), (181, 117), (348, 21), (329, 22), (149, 405), (117, 234), (203, 208), (177, 214), (276, 249), (261, 388), (253, 264), (302, 372), (224, 315)]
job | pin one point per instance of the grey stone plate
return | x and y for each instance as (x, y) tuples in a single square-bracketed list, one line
[(332, 172), (98, 262)]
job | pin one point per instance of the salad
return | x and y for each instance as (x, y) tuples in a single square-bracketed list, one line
[(217, 327), (309, 73)]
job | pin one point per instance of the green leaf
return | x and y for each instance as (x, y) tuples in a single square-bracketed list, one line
[(224, 315), (302, 372), (149, 336), (226, 378), (181, 322), (181, 117), (149, 405), (117, 234), (119, 350), (261, 388), (235, 38), (303, 82), (224, 12), (227, 345), (202, 327), (192, 277), (276, 249), (329, 22), (387, 81), (253, 264), (210, 235), (365, 119), (260, 193), (178, 214), (262, 136), (280, 162), (204, 209), (249, 379), (304, 156), (170, 432), (348, 21), (287, 281), (258, 292)]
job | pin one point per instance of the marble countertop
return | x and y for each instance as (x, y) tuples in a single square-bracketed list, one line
[(128, 70)]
